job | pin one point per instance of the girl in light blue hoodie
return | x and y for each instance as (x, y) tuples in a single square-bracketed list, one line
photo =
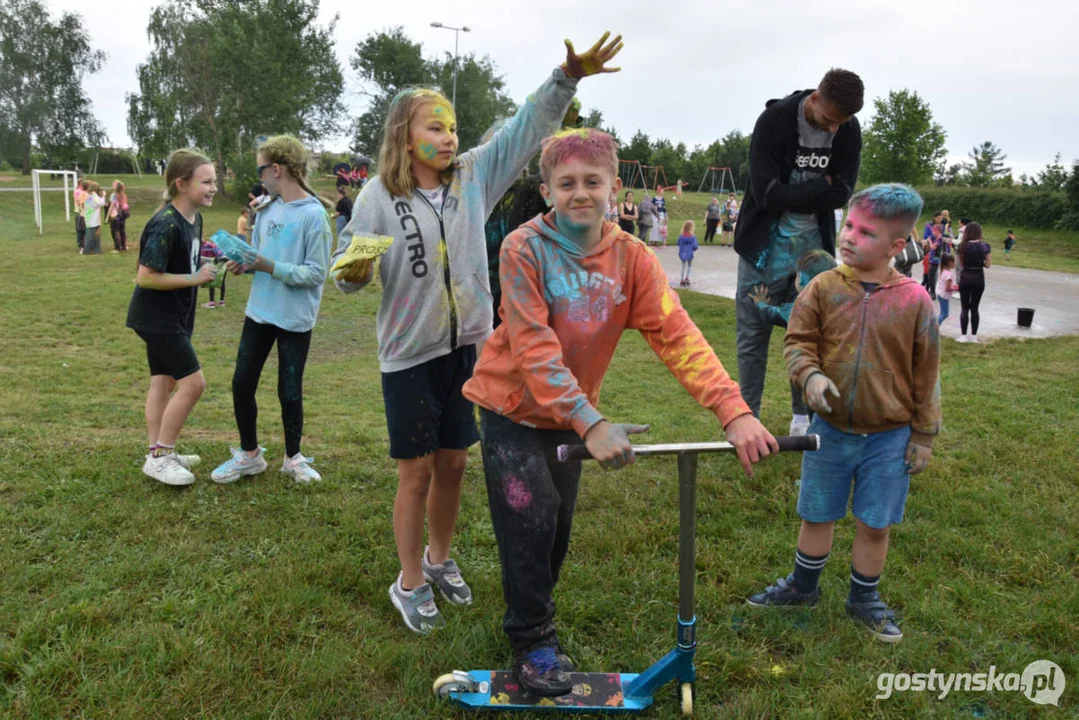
[(436, 304), (289, 256)]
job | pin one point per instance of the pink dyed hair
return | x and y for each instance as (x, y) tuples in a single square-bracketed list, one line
[(588, 144)]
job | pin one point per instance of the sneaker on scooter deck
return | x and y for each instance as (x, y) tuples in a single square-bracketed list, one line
[(539, 672)]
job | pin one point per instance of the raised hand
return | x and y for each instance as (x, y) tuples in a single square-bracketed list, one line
[(594, 60)]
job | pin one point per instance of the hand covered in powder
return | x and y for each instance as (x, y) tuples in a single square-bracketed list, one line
[(759, 294), (609, 443), (356, 272), (817, 387), (917, 457), (595, 58)]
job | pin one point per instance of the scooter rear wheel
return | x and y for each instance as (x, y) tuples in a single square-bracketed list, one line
[(456, 681)]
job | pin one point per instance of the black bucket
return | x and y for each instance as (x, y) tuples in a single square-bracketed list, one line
[(1026, 317)]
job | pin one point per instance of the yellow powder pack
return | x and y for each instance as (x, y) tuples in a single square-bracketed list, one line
[(363, 247)]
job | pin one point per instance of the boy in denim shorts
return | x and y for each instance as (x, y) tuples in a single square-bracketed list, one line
[(863, 344)]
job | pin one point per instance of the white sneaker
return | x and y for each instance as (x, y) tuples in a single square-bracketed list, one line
[(962, 339), (189, 461), (167, 469), (299, 468), (238, 465), (973, 338), (799, 425)]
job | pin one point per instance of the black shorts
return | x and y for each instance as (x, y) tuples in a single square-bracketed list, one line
[(170, 354), (728, 226), (425, 410)]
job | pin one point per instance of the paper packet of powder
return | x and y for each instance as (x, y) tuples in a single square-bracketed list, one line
[(233, 247), (363, 247)]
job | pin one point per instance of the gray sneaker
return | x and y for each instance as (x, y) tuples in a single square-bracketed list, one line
[(417, 607), (878, 618), (447, 577), (784, 594)]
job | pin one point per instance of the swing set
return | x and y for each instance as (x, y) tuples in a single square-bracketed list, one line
[(717, 178)]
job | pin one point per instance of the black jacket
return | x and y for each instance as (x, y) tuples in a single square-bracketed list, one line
[(772, 152)]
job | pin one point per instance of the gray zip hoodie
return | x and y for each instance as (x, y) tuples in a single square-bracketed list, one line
[(436, 290)]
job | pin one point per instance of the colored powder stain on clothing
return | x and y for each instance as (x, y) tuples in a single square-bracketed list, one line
[(666, 304), (518, 496)]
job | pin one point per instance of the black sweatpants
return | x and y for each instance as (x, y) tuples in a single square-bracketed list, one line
[(256, 341), (532, 497)]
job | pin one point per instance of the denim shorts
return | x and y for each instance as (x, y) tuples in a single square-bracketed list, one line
[(875, 464)]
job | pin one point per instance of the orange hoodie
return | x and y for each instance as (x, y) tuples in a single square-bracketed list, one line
[(563, 313)]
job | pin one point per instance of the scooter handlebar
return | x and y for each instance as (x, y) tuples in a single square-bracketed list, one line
[(804, 443)]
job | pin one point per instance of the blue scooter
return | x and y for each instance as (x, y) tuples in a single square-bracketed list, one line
[(619, 692)]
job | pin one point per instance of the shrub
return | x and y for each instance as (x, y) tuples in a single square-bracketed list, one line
[(999, 206)]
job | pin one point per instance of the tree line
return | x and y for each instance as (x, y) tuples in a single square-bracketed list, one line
[(223, 73)]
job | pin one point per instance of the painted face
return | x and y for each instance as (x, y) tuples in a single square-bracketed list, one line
[(824, 115), (868, 242), (579, 191), (202, 186), (432, 135)]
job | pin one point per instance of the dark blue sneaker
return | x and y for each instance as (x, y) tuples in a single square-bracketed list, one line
[(539, 673), (564, 660), (784, 594), (876, 616)]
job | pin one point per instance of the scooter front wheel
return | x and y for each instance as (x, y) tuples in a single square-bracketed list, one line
[(687, 699), (457, 681)]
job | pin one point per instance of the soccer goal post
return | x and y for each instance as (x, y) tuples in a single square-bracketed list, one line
[(717, 178), (35, 181)]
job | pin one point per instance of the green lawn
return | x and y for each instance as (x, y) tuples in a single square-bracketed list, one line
[(124, 598)]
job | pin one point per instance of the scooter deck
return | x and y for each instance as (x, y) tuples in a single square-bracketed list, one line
[(592, 692)]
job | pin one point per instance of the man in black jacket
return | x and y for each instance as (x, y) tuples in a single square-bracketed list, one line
[(804, 158)]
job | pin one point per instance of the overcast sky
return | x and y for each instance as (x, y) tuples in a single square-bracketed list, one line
[(695, 69)]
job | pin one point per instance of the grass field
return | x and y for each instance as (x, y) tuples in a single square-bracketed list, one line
[(123, 598)]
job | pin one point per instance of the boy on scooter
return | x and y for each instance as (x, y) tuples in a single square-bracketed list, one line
[(571, 283), (863, 344)]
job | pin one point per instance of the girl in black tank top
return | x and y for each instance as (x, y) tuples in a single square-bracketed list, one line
[(627, 208)]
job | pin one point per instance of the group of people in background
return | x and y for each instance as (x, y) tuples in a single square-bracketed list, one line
[(90, 204), (953, 266), (354, 176), (722, 217)]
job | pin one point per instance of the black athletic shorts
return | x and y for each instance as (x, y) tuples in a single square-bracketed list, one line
[(170, 354), (425, 410)]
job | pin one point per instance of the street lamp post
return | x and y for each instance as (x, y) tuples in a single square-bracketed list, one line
[(456, 34)]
